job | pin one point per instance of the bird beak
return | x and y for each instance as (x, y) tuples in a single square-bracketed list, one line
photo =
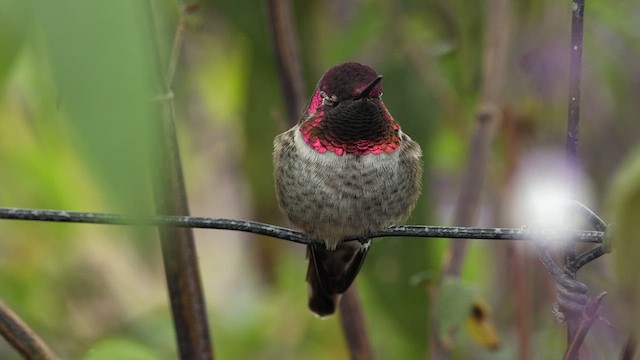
[(365, 92)]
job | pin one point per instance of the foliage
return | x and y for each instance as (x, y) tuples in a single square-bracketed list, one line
[(76, 88)]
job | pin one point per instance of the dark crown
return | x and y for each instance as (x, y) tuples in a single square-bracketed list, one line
[(345, 80)]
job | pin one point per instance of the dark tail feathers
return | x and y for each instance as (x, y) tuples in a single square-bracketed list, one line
[(330, 274)]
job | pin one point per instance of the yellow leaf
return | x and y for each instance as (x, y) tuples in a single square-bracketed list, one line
[(481, 327)]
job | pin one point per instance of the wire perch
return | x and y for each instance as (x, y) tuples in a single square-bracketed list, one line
[(456, 232)]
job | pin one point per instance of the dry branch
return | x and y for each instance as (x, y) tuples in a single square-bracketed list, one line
[(21, 337)]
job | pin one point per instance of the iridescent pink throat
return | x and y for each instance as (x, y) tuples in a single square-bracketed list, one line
[(311, 130)]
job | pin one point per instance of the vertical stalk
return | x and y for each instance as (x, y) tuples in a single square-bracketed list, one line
[(573, 130), (352, 321), (285, 42), (178, 246), (488, 113)]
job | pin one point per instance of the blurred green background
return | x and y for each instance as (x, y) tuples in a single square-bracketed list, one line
[(77, 102)]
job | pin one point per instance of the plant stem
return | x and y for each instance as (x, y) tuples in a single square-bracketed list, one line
[(352, 321), (285, 43), (178, 246), (21, 337), (573, 130)]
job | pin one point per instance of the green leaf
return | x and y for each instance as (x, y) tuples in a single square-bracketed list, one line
[(624, 207), (99, 54), (453, 305)]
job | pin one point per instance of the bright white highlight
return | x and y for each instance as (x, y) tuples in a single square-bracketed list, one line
[(542, 189)]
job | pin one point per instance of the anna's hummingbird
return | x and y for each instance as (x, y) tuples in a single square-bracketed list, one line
[(343, 172)]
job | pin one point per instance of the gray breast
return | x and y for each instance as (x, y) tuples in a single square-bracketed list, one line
[(333, 197)]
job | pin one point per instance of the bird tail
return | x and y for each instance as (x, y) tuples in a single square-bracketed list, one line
[(331, 272)]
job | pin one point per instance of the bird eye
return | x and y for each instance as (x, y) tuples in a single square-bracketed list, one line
[(328, 101)]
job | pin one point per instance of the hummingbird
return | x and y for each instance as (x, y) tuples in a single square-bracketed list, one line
[(345, 171)]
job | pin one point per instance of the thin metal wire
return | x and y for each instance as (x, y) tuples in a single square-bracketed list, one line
[(456, 232)]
